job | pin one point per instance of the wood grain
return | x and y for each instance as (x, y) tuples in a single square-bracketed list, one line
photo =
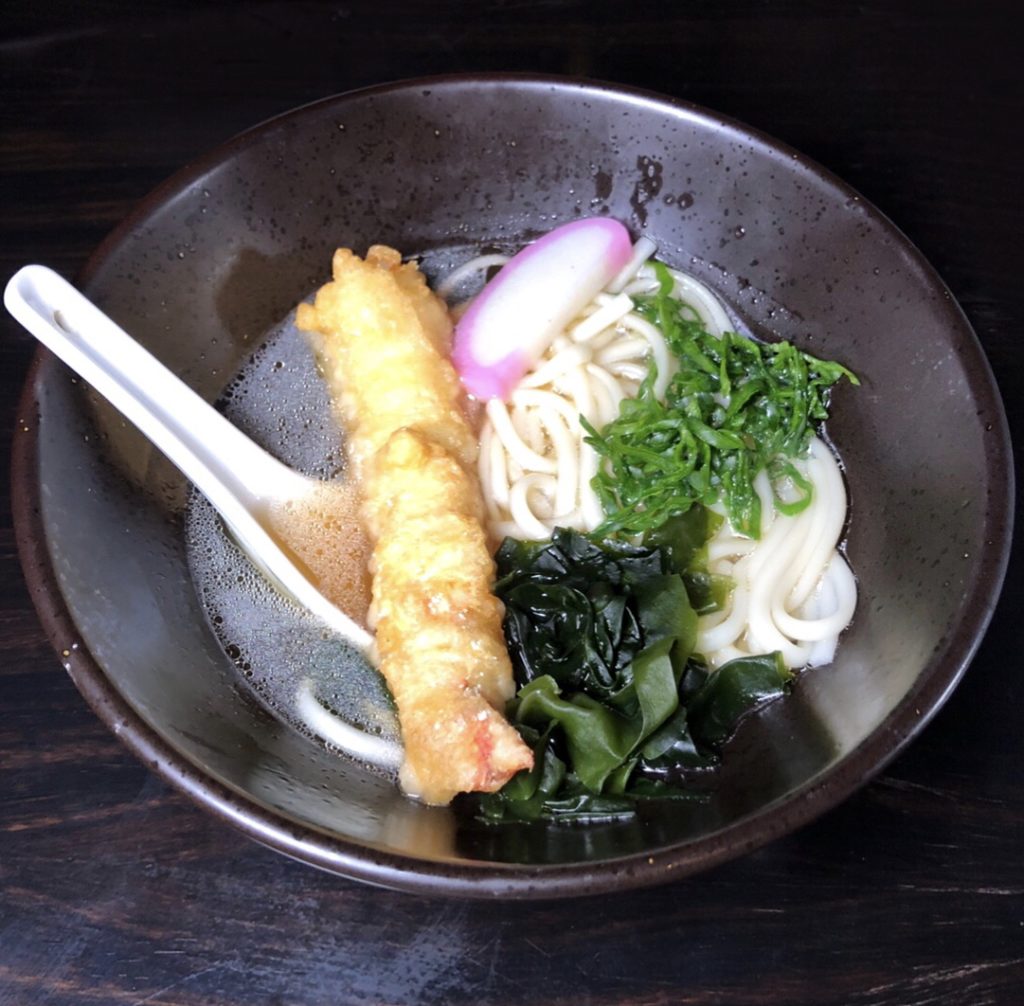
[(114, 889)]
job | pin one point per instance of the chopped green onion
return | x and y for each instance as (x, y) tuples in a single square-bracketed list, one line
[(734, 407)]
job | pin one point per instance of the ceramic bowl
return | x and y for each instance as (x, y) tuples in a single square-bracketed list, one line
[(217, 256)]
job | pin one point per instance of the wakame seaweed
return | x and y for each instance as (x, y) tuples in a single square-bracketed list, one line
[(733, 409), (612, 699)]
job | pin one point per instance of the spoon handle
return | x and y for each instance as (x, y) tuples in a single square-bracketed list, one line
[(236, 475), (193, 435)]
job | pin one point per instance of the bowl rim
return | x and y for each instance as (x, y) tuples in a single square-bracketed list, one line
[(350, 859)]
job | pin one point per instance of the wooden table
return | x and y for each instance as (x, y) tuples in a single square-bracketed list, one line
[(115, 889)]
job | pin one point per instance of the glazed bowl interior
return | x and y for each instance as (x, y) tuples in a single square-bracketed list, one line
[(222, 253)]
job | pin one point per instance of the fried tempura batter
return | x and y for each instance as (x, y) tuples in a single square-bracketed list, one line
[(385, 343)]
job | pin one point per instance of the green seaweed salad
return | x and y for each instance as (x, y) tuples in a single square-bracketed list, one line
[(601, 629)]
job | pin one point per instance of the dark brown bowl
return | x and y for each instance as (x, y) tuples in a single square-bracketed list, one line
[(221, 252)]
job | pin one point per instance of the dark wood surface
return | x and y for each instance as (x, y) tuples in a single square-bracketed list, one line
[(115, 889)]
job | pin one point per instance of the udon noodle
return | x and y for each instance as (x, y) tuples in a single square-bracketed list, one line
[(793, 591)]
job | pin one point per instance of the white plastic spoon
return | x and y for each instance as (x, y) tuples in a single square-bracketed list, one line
[(240, 479)]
